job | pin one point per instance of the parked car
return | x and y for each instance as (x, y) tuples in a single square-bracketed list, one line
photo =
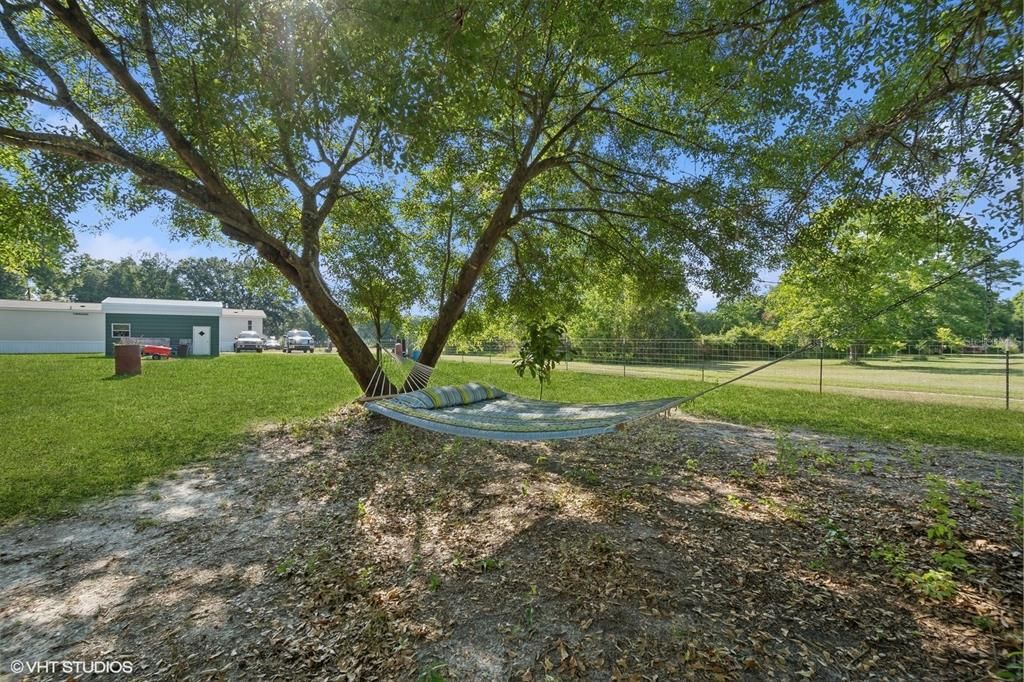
[(271, 343), (248, 341), (298, 339)]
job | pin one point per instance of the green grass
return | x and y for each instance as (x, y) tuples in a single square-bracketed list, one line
[(979, 381), (70, 431), (886, 420)]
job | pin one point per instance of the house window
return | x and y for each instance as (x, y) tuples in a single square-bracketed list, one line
[(120, 329), (250, 325)]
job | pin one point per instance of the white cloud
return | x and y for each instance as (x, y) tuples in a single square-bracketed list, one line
[(114, 247)]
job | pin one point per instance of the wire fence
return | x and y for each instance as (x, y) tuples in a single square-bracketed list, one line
[(670, 352), (981, 373)]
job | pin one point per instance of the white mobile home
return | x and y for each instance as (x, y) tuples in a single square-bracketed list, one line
[(62, 327), (51, 327), (233, 321)]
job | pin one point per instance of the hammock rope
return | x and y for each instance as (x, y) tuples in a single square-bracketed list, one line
[(396, 375), (512, 417)]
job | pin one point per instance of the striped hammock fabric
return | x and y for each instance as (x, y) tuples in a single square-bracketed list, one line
[(513, 418)]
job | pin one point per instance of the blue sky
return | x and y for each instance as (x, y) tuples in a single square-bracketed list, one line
[(145, 233)]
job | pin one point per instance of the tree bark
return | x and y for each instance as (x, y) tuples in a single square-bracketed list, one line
[(305, 277), (376, 328), (469, 274), (350, 347), (447, 252)]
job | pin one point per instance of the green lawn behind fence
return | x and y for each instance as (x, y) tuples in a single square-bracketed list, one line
[(886, 420), (978, 381)]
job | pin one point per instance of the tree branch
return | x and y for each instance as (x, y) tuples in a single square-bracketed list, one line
[(74, 19), (732, 27), (149, 47)]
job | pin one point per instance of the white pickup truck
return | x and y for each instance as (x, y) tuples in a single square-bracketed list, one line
[(298, 339)]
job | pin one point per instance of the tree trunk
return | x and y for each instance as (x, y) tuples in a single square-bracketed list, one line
[(376, 328), (305, 276), (447, 253), (350, 347), (465, 282)]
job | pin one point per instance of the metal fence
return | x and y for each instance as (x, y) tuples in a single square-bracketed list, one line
[(987, 373), (680, 351)]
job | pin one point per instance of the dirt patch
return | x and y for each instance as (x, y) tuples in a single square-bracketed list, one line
[(354, 547)]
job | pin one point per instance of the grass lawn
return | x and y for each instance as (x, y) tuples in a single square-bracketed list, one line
[(71, 431), (977, 381)]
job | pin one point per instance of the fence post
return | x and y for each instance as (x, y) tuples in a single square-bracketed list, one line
[(1007, 379), (821, 364)]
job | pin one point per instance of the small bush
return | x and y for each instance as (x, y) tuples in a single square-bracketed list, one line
[(934, 584)]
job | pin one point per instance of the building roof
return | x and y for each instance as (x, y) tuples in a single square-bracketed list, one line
[(53, 306), (141, 306), (161, 306), (241, 312)]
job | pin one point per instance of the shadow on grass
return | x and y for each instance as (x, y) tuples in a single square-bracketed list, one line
[(998, 369)]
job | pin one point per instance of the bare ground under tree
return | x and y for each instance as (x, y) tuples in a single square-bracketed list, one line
[(679, 548)]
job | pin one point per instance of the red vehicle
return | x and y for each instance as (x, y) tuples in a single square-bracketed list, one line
[(157, 352)]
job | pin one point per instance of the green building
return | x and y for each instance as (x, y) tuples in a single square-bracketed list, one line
[(153, 320)]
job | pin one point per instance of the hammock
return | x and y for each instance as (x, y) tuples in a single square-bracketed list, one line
[(462, 411), (481, 411), (511, 417)]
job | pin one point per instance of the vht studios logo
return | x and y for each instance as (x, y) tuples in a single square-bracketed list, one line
[(73, 667)]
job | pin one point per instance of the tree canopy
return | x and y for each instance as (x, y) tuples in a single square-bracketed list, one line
[(846, 267), (528, 144)]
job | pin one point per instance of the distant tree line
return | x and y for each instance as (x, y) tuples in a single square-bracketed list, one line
[(237, 284), (851, 261)]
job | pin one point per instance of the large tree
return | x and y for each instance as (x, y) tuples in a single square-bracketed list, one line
[(621, 308), (1016, 322), (852, 263), (372, 262), (741, 311), (683, 139)]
